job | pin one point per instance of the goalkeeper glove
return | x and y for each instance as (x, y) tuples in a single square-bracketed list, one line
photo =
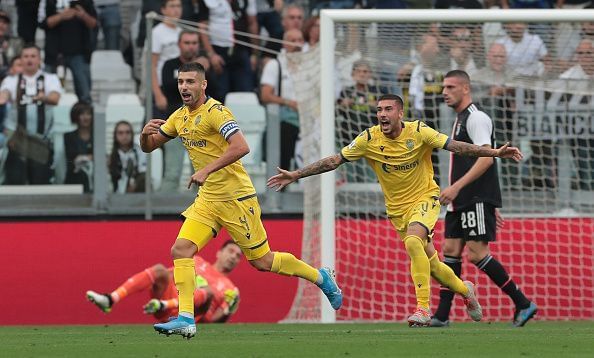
[(153, 306)]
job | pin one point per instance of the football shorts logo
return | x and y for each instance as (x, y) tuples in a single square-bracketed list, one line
[(410, 144), (251, 209)]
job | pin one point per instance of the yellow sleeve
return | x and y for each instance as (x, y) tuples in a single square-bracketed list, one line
[(357, 148), (432, 137), (222, 120), (168, 129)]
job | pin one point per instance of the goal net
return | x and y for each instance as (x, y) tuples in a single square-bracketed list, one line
[(532, 73)]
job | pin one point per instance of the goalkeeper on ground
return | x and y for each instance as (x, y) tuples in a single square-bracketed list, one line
[(400, 155), (216, 298)]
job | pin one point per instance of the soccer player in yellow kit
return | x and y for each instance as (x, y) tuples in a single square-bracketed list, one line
[(226, 197), (400, 154)]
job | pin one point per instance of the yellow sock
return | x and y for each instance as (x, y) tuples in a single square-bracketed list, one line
[(446, 276), (286, 264), (419, 269), (183, 275)]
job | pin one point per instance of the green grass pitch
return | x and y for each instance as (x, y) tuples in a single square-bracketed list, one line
[(537, 339)]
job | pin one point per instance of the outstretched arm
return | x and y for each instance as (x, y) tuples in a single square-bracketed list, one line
[(473, 150), (285, 177)]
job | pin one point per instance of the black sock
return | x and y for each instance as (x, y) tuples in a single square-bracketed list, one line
[(445, 295), (497, 273)]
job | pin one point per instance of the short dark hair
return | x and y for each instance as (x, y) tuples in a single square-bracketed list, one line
[(186, 32), (192, 67), (30, 45), (227, 243), (458, 74), (392, 97), (164, 2), (78, 109)]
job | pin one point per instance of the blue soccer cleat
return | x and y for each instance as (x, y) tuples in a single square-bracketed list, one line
[(330, 288), (180, 325), (523, 316)]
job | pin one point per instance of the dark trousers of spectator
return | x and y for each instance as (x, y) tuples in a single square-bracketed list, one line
[(237, 73), (289, 135), (81, 75), (271, 21), (111, 23), (22, 171), (27, 19)]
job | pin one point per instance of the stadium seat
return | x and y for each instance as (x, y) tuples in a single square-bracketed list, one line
[(233, 98), (252, 121), (109, 65), (122, 106)]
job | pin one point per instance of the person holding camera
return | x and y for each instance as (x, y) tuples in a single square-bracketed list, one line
[(28, 98)]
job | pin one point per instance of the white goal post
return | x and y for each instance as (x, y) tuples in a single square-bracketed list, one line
[(325, 193)]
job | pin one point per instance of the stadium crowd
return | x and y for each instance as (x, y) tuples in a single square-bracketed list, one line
[(48, 45)]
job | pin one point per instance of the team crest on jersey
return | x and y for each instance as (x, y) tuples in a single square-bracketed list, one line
[(410, 144), (198, 119)]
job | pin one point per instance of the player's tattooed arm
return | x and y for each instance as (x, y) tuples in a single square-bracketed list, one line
[(321, 166), (471, 150)]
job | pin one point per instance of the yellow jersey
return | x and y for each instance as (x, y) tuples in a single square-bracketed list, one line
[(402, 165), (204, 133)]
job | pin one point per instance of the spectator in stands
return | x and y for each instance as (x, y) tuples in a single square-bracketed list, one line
[(568, 43), (269, 18), (357, 103), (277, 89), (357, 111), (16, 66), (189, 45), (580, 78), (231, 63), (526, 53), (311, 31), (461, 51), (147, 6), (164, 47), (497, 100), (292, 18), (31, 95), (27, 11), (127, 162), (530, 4), (108, 14), (78, 146), (10, 47), (423, 93), (68, 26)]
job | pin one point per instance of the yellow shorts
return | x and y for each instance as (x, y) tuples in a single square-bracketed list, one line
[(425, 212), (241, 218)]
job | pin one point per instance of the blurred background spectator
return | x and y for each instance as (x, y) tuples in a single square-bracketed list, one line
[(127, 162), (29, 122), (10, 47), (68, 29), (78, 145), (27, 11), (108, 14), (278, 90)]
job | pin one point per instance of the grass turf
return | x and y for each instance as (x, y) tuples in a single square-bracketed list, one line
[(537, 339)]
